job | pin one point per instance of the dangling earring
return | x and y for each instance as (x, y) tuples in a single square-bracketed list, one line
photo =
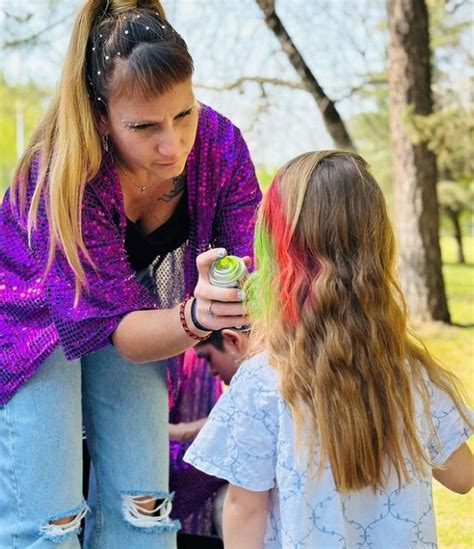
[(105, 143)]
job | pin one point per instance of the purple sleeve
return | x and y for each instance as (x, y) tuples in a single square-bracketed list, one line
[(111, 291), (235, 222)]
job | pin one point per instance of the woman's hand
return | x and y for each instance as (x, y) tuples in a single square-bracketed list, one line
[(155, 334), (217, 308)]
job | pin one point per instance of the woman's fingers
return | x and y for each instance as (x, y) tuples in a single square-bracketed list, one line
[(247, 261), (215, 315), (204, 291), (212, 309), (216, 307), (206, 259)]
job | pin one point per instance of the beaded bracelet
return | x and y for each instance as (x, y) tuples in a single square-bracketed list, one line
[(185, 326)]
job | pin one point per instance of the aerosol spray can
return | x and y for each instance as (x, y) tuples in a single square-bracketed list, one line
[(229, 272)]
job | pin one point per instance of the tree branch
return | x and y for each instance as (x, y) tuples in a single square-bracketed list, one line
[(32, 38), (331, 117), (260, 80)]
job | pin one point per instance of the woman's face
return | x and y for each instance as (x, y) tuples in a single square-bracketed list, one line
[(154, 135)]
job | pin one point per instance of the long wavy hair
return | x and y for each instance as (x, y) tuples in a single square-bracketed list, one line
[(326, 305), (116, 47)]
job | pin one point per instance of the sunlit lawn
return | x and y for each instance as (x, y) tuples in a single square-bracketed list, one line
[(454, 347)]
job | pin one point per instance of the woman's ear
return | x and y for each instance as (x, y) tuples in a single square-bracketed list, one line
[(102, 124)]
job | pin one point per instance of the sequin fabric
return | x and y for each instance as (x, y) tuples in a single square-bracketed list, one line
[(37, 315), (197, 394)]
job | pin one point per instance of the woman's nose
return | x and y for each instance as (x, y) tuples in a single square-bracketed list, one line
[(168, 145)]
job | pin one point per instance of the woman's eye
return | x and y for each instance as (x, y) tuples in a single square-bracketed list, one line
[(141, 127), (185, 113)]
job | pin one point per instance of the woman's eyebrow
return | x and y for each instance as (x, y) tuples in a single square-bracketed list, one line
[(129, 123)]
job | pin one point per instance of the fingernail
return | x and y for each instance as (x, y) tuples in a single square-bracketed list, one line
[(221, 252), (241, 295)]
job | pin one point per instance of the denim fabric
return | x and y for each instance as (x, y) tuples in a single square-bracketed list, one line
[(41, 456), (124, 409), (126, 418)]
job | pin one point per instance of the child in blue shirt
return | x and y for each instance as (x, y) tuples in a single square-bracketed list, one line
[(331, 433)]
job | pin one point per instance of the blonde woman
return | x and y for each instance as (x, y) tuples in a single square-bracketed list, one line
[(126, 183), (330, 437)]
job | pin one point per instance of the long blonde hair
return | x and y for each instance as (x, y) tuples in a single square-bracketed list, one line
[(152, 56), (326, 305)]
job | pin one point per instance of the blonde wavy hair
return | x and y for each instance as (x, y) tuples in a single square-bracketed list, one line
[(326, 305), (152, 57)]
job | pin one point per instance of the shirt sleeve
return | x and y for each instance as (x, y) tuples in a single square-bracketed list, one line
[(112, 288), (451, 430), (238, 442), (235, 221)]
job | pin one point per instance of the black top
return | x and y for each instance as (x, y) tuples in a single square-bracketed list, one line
[(143, 249)]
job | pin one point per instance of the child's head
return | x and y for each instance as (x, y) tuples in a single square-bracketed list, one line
[(326, 306), (323, 237), (224, 351)]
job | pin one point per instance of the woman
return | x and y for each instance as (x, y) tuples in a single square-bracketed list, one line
[(125, 182)]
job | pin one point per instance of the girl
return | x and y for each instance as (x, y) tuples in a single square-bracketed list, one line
[(330, 437), (125, 182)]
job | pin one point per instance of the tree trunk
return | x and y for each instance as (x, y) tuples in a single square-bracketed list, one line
[(332, 120), (415, 199), (454, 218)]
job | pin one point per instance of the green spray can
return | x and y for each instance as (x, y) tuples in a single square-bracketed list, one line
[(228, 272)]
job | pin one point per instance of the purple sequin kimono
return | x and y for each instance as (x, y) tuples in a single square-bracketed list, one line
[(37, 315)]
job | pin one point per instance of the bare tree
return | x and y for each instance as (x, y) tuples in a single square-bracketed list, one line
[(415, 199), (332, 120)]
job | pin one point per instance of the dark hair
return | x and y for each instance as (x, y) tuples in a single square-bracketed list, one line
[(215, 339), (134, 50)]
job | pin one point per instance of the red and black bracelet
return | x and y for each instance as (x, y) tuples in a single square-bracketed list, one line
[(184, 324)]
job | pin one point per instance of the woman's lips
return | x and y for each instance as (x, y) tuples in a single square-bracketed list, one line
[(167, 163)]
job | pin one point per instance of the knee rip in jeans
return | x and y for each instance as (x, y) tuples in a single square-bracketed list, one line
[(58, 529), (149, 511)]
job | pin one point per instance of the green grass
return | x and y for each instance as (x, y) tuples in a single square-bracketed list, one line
[(454, 347)]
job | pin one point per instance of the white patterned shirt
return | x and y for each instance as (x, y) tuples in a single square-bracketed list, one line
[(249, 441)]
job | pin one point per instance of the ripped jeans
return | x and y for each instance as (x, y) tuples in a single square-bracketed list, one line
[(124, 409)]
